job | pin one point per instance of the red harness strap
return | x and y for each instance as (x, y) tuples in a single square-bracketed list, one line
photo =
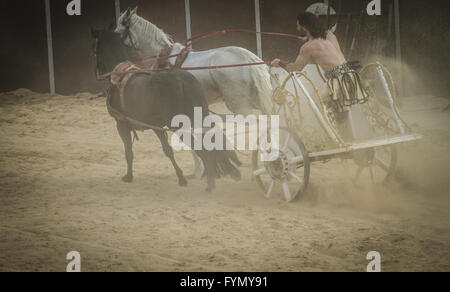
[(182, 57), (121, 80), (164, 56), (163, 60)]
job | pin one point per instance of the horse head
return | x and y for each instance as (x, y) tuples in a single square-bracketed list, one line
[(124, 23), (141, 34)]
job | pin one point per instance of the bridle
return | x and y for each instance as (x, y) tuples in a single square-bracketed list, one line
[(165, 51), (127, 34)]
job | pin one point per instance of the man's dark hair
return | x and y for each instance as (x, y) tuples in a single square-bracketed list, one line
[(313, 24)]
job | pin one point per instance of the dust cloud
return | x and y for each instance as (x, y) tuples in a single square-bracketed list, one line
[(61, 161)]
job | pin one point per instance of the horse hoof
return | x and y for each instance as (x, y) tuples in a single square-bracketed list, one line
[(210, 188), (183, 183), (127, 179)]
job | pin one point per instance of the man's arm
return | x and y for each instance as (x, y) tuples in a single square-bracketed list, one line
[(301, 62)]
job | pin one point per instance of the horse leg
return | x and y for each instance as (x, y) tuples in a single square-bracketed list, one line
[(125, 133), (210, 169), (198, 166), (168, 151)]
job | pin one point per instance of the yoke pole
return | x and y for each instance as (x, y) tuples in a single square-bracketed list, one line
[(51, 65), (258, 28), (117, 10), (187, 6)]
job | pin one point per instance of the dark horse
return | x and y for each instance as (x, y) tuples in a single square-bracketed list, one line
[(154, 99)]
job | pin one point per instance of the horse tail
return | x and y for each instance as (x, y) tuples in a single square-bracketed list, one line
[(224, 164), (219, 163), (263, 85)]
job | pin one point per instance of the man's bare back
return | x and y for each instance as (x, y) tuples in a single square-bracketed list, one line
[(343, 83), (321, 47), (324, 52)]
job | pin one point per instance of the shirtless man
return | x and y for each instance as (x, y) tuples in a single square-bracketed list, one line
[(322, 48)]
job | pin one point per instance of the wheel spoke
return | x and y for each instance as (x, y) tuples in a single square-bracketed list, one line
[(260, 171), (286, 191), (296, 177), (287, 172), (381, 164), (372, 176), (269, 191), (286, 143), (296, 159)]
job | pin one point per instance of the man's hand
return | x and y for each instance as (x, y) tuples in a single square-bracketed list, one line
[(275, 63), (303, 38)]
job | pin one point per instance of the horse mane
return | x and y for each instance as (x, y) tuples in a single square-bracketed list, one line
[(153, 34)]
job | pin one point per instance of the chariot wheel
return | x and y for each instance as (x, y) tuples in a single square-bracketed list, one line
[(288, 174), (376, 165)]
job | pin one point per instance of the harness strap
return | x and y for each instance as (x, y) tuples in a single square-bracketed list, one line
[(182, 56), (163, 60), (120, 81)]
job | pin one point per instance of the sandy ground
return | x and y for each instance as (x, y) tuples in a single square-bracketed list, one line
[(61, 161)]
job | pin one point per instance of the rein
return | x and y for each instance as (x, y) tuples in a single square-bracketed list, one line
[(146, 70), (164, 55), (188, 46), (195, 39)]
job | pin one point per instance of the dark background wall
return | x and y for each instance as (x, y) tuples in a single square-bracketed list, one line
[(281, 18), (72, 45), (23, 53), (23, 49), (216, 15), (425, 34)]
